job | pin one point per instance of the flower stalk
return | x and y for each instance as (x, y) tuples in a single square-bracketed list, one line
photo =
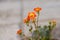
[(37, 18)]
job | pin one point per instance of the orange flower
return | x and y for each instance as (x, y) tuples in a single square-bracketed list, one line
[(19, 31), (37, 9), (26, 20), (31, 15)]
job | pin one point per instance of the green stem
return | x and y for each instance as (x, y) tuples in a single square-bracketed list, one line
[(35, 24), (50, 29), (37, 18)]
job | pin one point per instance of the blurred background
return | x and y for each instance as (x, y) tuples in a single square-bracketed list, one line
[(12, 13)]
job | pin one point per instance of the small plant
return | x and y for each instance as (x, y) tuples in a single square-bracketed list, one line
[(40, 32)]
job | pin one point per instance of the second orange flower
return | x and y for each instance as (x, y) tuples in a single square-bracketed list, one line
[(31, 15), (37, 9)]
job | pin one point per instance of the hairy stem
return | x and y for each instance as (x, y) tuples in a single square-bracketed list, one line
[(37, 18)]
